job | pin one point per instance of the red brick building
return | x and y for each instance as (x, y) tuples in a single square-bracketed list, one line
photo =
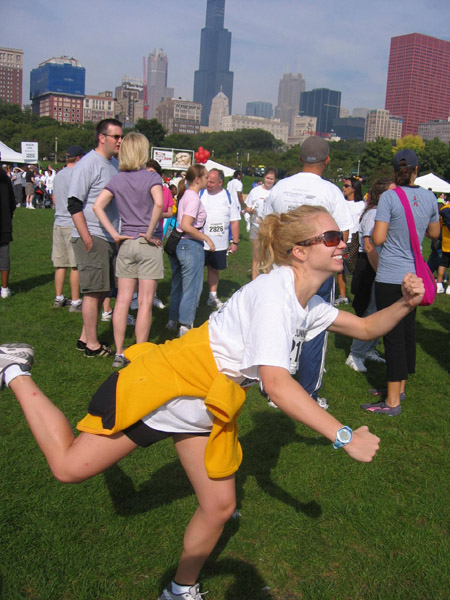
[(418, 82), (62, 108), (11, 75)]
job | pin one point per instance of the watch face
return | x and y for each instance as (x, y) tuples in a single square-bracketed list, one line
[(344, 436)]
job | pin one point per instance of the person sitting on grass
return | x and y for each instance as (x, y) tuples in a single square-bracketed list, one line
[(192, 388)]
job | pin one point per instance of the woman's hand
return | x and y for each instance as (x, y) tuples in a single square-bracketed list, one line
[(210, 243), (121, 238), (412, 289), (364, 445), (151, 240)]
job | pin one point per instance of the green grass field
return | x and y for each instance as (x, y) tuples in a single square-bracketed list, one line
[(315, 525)]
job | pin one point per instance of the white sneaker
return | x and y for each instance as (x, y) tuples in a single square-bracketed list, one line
[(341, 300), (271, 404), (440, 288), (183, 329), (5, 292), (193, 594), (373, 355), (107, 316), (157, 303), (447, 291), (322, 402), (214, 302), (172, 325), (356, 363), (18, 354)]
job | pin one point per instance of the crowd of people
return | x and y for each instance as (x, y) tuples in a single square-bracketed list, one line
[(109, 230)]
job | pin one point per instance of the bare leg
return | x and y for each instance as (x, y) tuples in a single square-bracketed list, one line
[(71, 459), (340, 279), (5, 278), (213, 279), (60, 275), (256, 260), (74, 284), (146, 293), (91, 306), (125, 292), (217, 502), (394, 389)]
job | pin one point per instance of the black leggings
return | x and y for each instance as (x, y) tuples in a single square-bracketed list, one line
[(400, 343)]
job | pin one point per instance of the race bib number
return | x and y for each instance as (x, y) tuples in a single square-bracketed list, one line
[(216, 229)]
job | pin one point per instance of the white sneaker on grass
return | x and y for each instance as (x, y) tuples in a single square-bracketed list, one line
[(21, 355), (322, 402), (5, 292), (157, 303), (193, 594), (356, 363), (215, 302), (107, 316)]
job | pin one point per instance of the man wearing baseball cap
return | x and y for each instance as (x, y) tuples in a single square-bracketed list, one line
[(308, 187), (63, 256)]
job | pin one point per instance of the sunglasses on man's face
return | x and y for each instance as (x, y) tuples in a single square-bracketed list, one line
[(329, 238)]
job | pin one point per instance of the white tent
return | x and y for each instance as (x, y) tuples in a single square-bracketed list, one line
[(215, 165), (434, 183), (8, 155)]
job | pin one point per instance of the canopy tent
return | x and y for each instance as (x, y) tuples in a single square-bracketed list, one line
[(211, 164), (433, 182), (7, 155)]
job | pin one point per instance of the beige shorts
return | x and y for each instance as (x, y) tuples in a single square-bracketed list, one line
[(63, 255), (96, 267), (137, 259), (29, 189)]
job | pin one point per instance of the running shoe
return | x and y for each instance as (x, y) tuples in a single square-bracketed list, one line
[(322, 402), (214, 302), (193, 594), (381, 408), (157, 303), (120, 361), (18, 354), (356, 363)]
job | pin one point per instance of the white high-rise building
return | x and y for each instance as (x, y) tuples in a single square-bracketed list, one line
[(157, 90), (289, 90), (220, 108), (380, 123)]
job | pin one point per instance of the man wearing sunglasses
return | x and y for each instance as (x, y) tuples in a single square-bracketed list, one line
[(308, 187), (93, 246)]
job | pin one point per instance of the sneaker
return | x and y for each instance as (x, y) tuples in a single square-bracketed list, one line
[(5, 292), (447, 291), (214, 302), (157, 303), (381, 408), (373, 355), (18, 354), (131, 320), (440, 288), (193, 594), (120, 361), (101, 351), (60, 302), (341, 300), (107, 316), (322, 402), (356, 363), (183, 329), (271, 404), (75, 307), (172, 325), (81, 345)]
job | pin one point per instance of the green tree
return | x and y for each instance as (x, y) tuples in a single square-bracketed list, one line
[(435, 158), (153, 131), (376, 160)]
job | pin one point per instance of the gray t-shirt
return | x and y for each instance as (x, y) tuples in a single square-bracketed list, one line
[(90, 176), (396, 256), (61, 185), (366, 226)]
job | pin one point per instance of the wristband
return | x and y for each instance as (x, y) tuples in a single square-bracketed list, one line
[(235, 243)]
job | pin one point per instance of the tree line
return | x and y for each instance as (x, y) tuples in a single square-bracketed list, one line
[(245, 148)]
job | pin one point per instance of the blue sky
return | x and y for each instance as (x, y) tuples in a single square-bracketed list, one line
[(341, 44)]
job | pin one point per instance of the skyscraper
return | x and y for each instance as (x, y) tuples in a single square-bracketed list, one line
[(324, 104), (157, 67), (220, 108), (418, 82), (11, 75), (259, 109), (213, 74), (289, 90)]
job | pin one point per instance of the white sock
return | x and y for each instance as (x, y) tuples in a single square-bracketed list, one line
[(76, 302), (12, 372), (213, 294), (179, 589), (59, 297)]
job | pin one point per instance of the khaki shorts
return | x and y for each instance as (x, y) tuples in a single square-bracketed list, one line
[(29, 189), (137, 259), (96, 267), (63, 255)]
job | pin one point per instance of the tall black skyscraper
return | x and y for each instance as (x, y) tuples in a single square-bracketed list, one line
[(214, 73), (324, 104)]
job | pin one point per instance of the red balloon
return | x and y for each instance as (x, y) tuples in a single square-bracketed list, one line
[(200, 148), (197, 157), (207, 155)]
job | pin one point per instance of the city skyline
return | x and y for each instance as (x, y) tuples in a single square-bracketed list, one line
[(341, 46)]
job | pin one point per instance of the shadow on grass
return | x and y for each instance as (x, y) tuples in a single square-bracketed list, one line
[(432, 340), (25, 285), (271, 432)]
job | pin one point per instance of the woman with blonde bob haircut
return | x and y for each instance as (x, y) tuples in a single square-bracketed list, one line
[(192, 388), (139, 198)]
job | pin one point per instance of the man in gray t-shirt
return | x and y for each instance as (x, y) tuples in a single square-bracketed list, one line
[(63, 256), (93, 246)]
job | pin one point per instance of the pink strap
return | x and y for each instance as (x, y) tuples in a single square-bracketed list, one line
[(411, 225)]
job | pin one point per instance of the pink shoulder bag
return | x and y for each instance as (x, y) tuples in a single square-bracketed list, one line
[(422, 269)]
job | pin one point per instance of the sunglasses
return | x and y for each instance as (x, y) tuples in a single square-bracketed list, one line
[(116, 137), (329, 238), (347, 185)]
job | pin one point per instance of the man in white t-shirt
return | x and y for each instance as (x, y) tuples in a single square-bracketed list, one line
[(235, 188), (308, 187), (222, 214)]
